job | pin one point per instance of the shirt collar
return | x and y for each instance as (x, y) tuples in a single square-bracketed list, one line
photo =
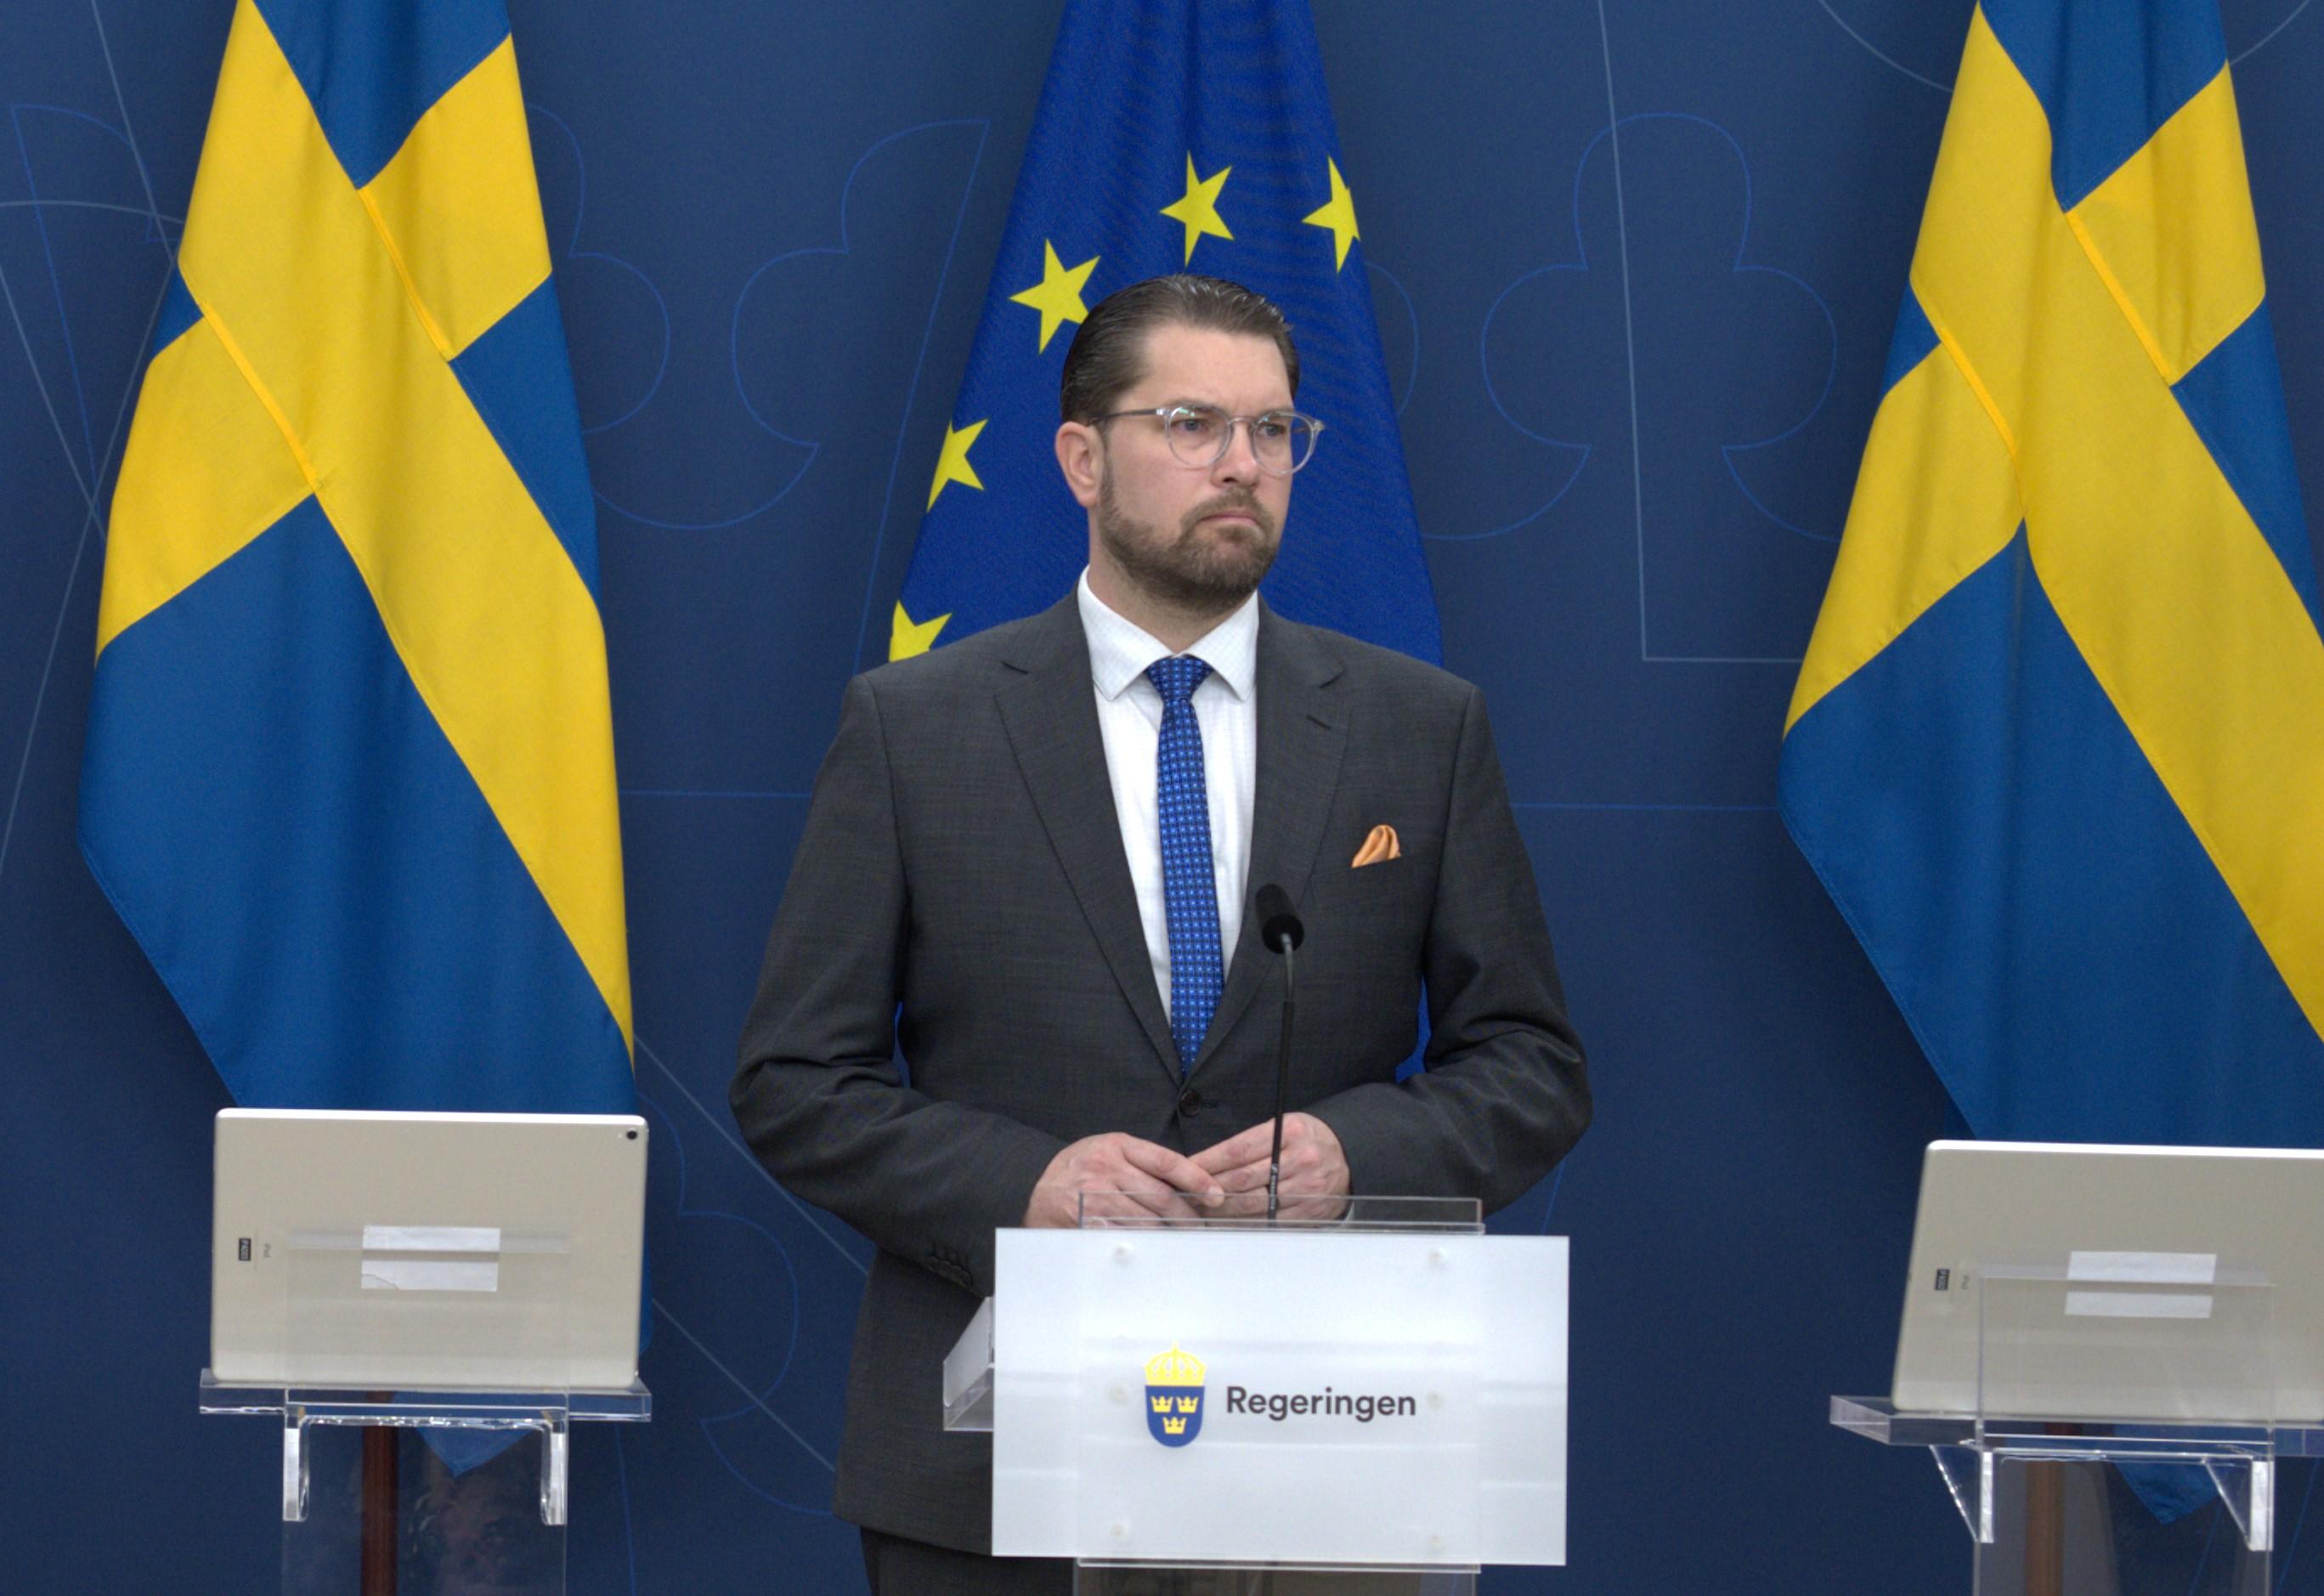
[(1120, 650)]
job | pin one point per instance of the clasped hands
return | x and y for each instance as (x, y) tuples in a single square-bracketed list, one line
[(1143, 1179)]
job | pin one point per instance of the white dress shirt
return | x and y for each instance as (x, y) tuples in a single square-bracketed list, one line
[(1129, 718)]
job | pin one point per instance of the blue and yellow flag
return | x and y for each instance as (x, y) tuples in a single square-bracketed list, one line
[(349, 775), (1174, 137), (2057, 749)]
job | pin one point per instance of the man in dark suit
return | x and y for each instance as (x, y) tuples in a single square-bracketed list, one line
[(1026, 869)]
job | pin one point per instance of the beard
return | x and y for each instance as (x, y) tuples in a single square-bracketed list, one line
[(1186, 569)]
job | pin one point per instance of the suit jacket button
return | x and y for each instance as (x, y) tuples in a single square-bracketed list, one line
[(1190, 1102)]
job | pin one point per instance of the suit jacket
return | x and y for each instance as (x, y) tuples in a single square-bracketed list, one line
[(961, 892)]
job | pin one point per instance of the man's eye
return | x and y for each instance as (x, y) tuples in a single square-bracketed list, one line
[(1193, 424), (1273, 430)]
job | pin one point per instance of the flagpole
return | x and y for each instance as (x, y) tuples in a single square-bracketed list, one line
[(380, 1491), (2045, 1529)]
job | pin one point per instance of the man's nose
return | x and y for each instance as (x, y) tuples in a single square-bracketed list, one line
[(1240, 463)]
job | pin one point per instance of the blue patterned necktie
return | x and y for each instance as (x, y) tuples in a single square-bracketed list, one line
[(1190, 893)]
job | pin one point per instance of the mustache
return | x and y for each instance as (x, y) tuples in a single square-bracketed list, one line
[(1239, 503)]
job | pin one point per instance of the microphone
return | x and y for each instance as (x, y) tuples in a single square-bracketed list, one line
[(1280, 930), (1279, 922)]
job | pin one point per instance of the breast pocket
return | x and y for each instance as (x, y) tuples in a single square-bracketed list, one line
[(1388, 881)]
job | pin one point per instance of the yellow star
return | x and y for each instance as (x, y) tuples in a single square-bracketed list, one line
[(1198, 208), (952, 465), (908, 637), (1339, 215), (1058, 295)]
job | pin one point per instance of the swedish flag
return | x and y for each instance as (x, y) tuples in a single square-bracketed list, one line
[(349, 772), (1171, 137), (2057, 749)]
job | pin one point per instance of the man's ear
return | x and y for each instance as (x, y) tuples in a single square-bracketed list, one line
[(1081, 457)]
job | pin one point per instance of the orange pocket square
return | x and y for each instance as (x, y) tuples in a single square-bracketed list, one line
[(1381, 845)]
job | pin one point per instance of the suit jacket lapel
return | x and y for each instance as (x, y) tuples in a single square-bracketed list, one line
[(1050, 710), (1302, 737)]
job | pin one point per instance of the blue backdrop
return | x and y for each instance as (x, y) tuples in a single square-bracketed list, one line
[(1635, 263)]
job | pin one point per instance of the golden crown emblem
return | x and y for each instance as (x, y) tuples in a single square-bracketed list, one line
[(1174, 1368)]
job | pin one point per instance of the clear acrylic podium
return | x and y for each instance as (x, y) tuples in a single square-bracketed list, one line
[(1372, 1405), (404, 1365), (2101, 1420), (447, 1478)]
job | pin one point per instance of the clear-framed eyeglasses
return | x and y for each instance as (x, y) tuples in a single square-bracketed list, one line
[(1201, 434)]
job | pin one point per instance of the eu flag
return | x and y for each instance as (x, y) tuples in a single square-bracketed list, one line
[(349, 772), (1174, 137), (2057, 749)]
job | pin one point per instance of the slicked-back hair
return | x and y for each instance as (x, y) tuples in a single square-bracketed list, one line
[(1108, 357)]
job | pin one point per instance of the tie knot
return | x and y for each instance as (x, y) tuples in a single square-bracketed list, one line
[(1176, 680)]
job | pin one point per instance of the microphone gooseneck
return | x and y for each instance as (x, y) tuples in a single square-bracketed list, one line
[(1279, 928)]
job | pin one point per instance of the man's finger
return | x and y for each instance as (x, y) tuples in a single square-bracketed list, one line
[(1179, 1170), (1121, 1189), (1242, 1206), (1293, 1203), (1243, 1177), (1243, 1147), (1315, 1209)]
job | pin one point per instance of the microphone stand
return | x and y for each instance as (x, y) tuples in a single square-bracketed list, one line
[(1280, 930), (1282, 1087)]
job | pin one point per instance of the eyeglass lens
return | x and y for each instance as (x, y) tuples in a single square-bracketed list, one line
[(1201, 436)]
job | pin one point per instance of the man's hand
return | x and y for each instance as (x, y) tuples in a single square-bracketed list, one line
[(1152, 1180), (1314, 1184)]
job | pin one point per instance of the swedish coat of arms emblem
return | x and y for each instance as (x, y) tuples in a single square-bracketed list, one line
[(1174, 1397)]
